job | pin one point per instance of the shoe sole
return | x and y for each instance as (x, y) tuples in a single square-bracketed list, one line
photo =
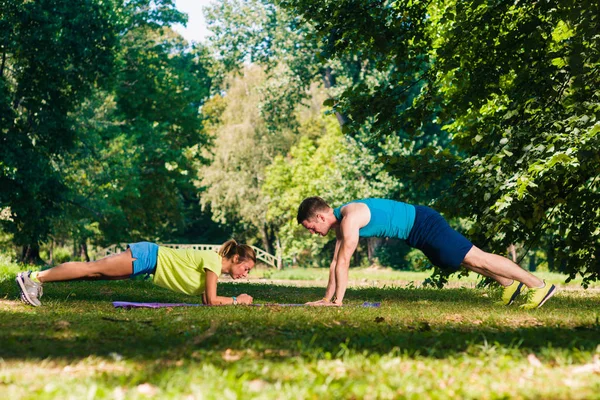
[(550, 293), (24, 297), (24, 300), (515, 294)]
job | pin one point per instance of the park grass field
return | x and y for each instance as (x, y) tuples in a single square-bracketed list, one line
[(421, 343), (387, 276)]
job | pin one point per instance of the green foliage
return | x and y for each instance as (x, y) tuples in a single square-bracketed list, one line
[(263, 33), (399, 255), (61, 255), (260, 32), (157, 97), (99, 128), (334, 167), (8, 268), (514, 85), (533, 164), (47, 66), (242, 146), (116, 163)]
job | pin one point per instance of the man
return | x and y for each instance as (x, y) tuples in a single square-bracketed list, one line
[(421, 227)]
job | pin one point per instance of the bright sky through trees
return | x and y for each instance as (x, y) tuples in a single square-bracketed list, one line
[(196, 26)]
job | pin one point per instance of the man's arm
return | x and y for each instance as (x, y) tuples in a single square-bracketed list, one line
[(331, 286), (329, 292), (331, 283), (349, 228), (354, 217)]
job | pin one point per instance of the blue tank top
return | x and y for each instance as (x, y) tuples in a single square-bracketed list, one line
[(389, 218)]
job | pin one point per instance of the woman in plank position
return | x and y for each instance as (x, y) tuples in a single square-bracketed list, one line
[(421, 227), (189, 271)]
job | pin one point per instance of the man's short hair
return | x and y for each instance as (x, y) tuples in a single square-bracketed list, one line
[(310, 207)]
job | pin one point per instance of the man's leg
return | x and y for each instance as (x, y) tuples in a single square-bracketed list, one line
[(500, 279), (499, 268), (118, 266), (505, 271)]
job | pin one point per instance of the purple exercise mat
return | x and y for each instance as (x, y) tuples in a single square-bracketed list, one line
[(130, 304)]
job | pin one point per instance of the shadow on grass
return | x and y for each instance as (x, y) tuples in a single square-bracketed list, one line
[(145, 291), (410, 321)]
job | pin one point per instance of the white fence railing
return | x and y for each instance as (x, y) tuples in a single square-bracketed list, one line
[(260, 254)]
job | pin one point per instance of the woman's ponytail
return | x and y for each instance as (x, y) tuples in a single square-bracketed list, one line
[(231, 248)]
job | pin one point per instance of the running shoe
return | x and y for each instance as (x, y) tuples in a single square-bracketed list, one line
[(536, 297), (510, 293), (30, 291)]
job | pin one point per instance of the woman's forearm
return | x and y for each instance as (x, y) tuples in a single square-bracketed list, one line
[(219, 301)]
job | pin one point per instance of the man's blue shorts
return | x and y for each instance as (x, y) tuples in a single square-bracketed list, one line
[(443, 246), (146, 254)]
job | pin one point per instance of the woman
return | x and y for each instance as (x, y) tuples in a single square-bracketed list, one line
[(189, 271)]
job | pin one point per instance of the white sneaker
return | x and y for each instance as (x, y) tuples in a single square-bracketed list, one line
[(30, 291)]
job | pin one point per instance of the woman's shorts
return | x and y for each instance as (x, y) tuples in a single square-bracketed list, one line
[(443, 246), (146, 254)]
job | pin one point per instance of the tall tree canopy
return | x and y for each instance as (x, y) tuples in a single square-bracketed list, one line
[(326, 163), (516, 85), (99, 110), (47, 66), (135, 172), (243, 146)]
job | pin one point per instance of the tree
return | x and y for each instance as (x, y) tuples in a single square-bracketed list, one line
[(531, 123), (327, 164), (242, 146), (131, 173), (98, 129), (47, 66), (261, 32), (518, 98)]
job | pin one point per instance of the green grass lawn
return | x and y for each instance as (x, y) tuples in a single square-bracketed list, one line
[(388, 276), (421, 343)]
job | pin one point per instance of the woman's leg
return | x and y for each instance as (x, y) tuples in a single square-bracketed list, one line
[(499, 268), (118, 266)]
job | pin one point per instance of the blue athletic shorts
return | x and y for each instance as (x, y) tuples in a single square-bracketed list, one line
[(146, 254), (443, 246)]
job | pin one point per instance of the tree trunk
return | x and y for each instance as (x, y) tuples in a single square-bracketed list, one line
[(550, 254), (329, 81), (51, 252), (83, 252), (563, 266), (279, 252), (356, 256), (532, 264), (3, 63), (372, 245), (512, 252), (266, 239), (75, 250), (31, 254)]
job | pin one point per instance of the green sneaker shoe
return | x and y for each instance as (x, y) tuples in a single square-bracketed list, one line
[(510, 293), (536, 297)]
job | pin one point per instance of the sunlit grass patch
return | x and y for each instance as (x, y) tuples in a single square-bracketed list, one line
[(385, 276), (421, 343)]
